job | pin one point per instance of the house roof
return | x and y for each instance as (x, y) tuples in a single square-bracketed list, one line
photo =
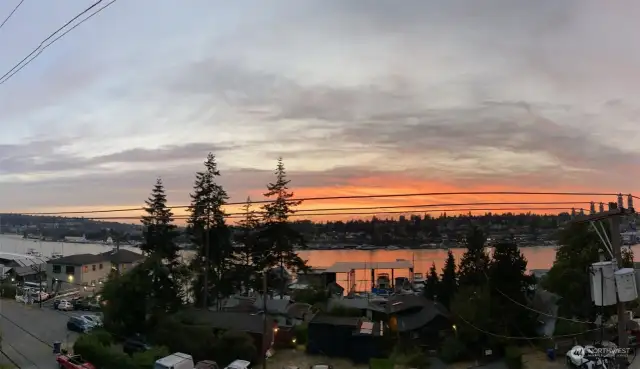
[(27, 270), (336, 320), (122, 256), (423, 311), (244, 322), (357, 303), (116, 257)]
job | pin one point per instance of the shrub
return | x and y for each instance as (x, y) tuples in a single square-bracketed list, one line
[(146, 360), (301, 334), (410, 357), (232, 346), (381, 364), (452, 350), (513, 357), (7, 291)]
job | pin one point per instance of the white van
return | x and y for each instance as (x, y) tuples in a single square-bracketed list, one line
[(239, 364), (176, 360)]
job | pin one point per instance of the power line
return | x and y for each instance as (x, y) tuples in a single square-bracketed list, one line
[(38, 50), (520, 338), (349, 197), (11, 14), (371, 213)]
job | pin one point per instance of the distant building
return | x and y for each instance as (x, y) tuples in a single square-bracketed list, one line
[(76, 239), (88, 270)]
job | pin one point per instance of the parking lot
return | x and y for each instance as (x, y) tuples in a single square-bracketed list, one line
[(28, 333)]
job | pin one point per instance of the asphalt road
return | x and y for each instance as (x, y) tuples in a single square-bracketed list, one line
[(28, 333)]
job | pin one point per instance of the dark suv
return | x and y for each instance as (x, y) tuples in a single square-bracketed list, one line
[(133, 345)]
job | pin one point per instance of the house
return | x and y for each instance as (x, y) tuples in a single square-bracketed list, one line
[(10, 261), (347, 337), (34, 273), (417, 318), (252, 324), (88, 270)]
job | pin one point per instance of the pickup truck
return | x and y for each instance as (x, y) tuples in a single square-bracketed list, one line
[(73, 362)]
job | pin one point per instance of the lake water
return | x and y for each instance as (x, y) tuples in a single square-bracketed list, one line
[(538, 257)]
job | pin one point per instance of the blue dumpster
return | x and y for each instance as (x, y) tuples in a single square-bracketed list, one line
[(551, 354), (56, 347)]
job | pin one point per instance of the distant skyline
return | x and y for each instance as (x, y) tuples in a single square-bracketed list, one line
[(357, 97)]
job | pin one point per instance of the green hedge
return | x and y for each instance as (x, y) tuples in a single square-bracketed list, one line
[(513, 358), (381, 364), (8, 291), (96, 348)]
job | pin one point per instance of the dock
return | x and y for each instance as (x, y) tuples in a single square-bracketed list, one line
[(350, 267)]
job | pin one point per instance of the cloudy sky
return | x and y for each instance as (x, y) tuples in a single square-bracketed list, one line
[(358, 97)]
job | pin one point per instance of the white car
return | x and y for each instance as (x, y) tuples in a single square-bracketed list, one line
[(92, 319), (65, 305)]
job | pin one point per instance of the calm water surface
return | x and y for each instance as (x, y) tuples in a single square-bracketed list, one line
[(538, 257)]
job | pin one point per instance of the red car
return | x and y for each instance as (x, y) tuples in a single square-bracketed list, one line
[(73, 362)]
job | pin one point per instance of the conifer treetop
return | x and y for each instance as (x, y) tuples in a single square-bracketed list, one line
[(282, 206)]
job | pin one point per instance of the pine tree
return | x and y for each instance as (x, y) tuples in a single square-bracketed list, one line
[(475, 261), (162, 264), (277, 239), (448, 281), (248, 226), (508, 282), (432, 285), (159, 230), (214, 261)]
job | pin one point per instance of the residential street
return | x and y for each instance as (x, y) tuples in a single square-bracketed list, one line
[(28, 333)]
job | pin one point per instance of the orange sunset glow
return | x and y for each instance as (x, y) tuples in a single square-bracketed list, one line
[(385, 207)]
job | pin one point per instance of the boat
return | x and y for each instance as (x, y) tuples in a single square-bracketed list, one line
[(33, 252), (383, 282), (393, 248), (418, 281), (56, 255)]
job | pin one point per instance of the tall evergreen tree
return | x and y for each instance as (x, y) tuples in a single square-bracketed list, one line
[(214, 261), (432, 284), (277, 238), (508, 283), (162, 253), (248, 225), (448, 281), (475, 261)]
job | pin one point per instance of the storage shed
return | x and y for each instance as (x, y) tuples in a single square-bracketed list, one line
[(331, 335)]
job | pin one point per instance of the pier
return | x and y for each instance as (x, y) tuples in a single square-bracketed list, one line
[(350, 267)]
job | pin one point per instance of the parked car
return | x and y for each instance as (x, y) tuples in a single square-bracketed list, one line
[(133, 345), (86, 305), (65, 305), (92, 319), (73, 362), (239, 364), (77, 324)]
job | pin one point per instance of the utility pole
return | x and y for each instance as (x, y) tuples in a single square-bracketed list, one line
[(117, 250), (206, 263), (613, 215), (616, 245), (265, 328)]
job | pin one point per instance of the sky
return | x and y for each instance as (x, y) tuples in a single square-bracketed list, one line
[(357, 97)]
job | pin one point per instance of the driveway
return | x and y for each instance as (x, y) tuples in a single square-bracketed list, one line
[(28, 333)]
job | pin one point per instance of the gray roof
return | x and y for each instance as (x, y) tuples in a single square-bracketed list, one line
[(243, 322), (356, 303), (27, 270), (21, 259), (413, 312), (336, 320), (119, 257)]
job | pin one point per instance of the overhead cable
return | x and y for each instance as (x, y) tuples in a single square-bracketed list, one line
[(44, 44), (349, 197)]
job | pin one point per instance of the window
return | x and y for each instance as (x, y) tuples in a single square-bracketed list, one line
[(100, 266), (85, 269), (93, 267), (57, 269), (70, 269)]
